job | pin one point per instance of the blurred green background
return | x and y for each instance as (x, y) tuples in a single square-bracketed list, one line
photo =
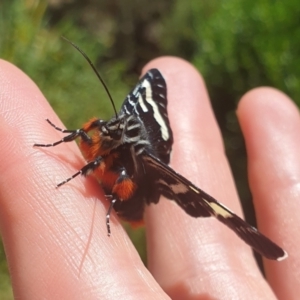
[(236, 45)]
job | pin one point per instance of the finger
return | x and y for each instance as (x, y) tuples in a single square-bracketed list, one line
[(192, 257), (55, 239), (271, 126)]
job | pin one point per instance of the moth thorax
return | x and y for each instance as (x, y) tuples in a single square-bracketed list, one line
[(132, 131), (111, 133)]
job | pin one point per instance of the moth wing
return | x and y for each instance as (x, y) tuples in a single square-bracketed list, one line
[(197, 203), (148, 102)]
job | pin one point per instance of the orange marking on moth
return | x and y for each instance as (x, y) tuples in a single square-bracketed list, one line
[(109, 179), (88, 125), (93, 149), (100, 171), (124, 189), (85, 150), (104, 174), (96, 147)]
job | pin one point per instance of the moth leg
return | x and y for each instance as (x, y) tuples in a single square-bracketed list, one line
[(73, 134), (86, 170), (113, 201)]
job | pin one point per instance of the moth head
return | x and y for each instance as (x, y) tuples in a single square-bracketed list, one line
[(112, 132)]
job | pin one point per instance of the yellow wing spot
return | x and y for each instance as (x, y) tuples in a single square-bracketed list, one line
[(219, 210)]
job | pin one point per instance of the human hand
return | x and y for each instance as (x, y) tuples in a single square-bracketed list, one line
[(56, 240)]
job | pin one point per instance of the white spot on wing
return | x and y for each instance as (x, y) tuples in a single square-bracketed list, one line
[(126, 109), (130, 101), (219, 210), (283, 257), (157, 116), (142, 104), (178, 188), (135, 91)]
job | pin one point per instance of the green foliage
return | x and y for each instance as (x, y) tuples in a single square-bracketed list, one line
[(68, 82), (5, 288), (239, 45)]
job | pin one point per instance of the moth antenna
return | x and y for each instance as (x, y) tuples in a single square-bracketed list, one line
[(96, 72)]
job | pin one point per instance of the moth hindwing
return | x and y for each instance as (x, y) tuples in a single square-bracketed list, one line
[(129, 155)]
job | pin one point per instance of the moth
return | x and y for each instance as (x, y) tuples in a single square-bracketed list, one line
[(129, 155)]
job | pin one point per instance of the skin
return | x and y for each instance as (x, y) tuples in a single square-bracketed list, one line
[(56, 240)]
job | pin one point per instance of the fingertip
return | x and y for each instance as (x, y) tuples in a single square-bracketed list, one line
[(266, 99)]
